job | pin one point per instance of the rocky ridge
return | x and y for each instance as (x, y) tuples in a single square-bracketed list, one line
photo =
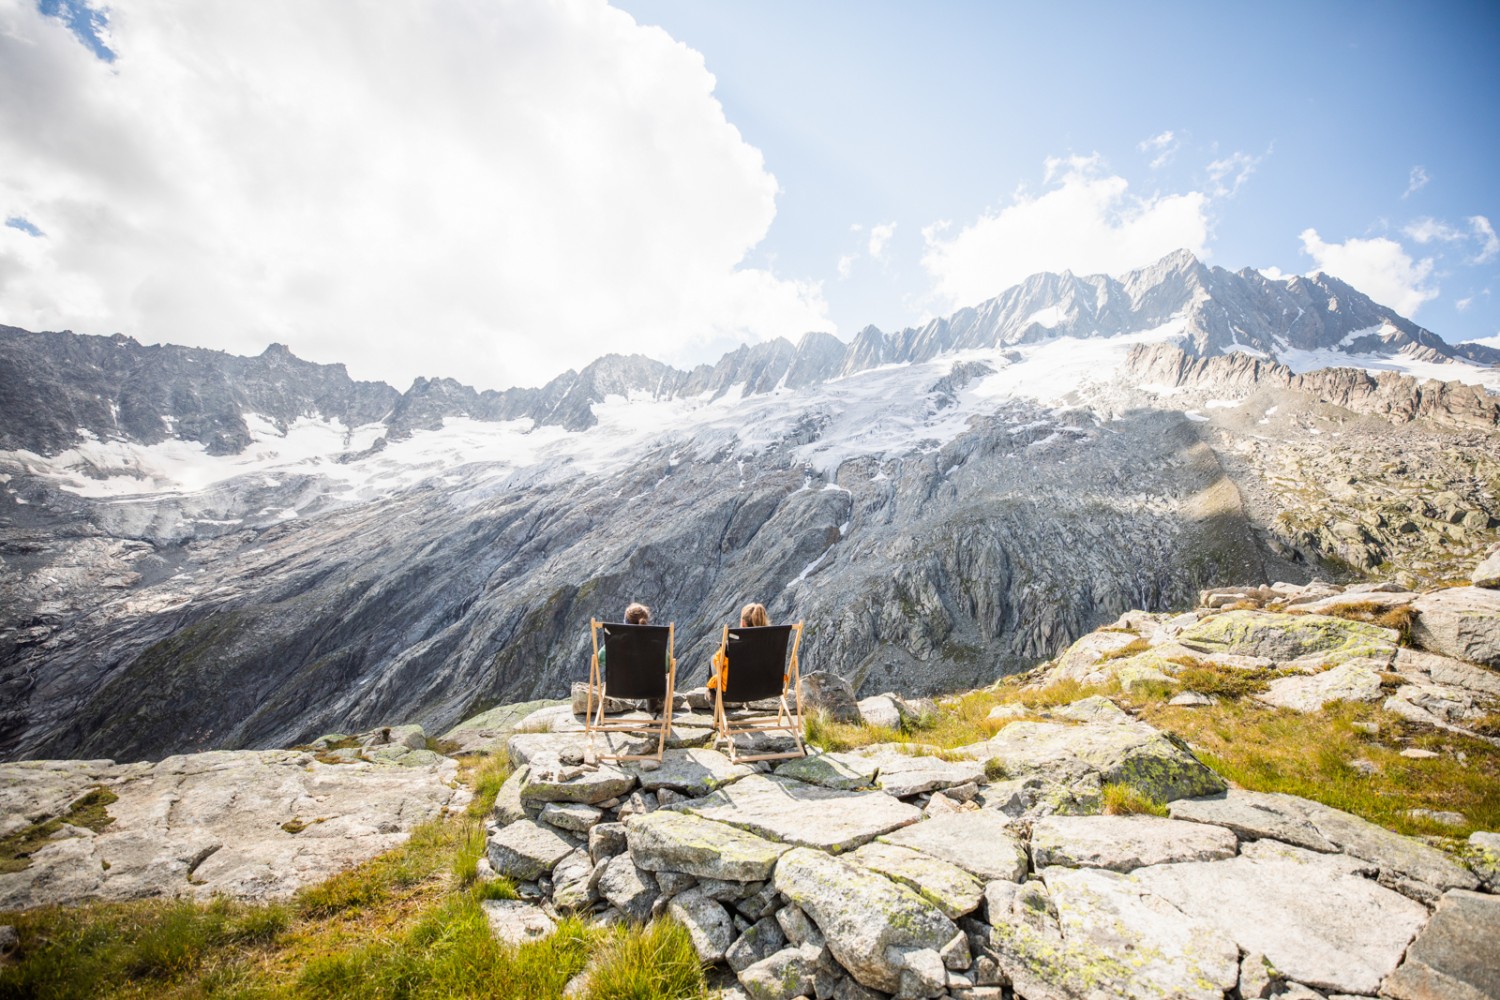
[(928, 519), (980, 873), (988, 872), (246, 824)]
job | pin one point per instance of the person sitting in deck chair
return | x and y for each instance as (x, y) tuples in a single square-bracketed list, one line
[(636, 614), (751, 616)]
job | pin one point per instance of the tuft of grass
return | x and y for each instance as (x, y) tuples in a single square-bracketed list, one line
[(1129, 649), (1117, 799), (654, 963), (1268, 749), (88, 810), (994, 769), (1224, 682)]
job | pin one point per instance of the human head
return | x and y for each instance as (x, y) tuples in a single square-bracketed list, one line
[(754, 616), (637, 614)]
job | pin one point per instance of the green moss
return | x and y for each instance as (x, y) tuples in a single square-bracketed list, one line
[(88, 810)]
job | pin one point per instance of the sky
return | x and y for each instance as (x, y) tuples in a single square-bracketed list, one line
[(499, 190)]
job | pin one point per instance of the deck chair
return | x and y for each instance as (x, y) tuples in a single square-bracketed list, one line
[(762, 665), (638, 665)]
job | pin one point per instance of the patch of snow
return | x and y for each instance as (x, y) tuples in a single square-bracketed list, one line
[(1051, 317), (1223, 404), (1455, 370), (1254, 352), (1195, 416)]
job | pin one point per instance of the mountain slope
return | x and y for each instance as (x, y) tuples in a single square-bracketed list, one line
[(933, 503)]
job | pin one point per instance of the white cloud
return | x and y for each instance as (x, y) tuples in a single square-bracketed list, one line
[(1417, 181), (1163, 145), (846, 264), (1229, 173), (1463, 304), (1485, 234), (493, 191), (1379, 267), (1088, 222), (1426, 230), (1273, 273), (879, 237)]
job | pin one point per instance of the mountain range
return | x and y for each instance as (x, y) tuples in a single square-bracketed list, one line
[(203, 550)]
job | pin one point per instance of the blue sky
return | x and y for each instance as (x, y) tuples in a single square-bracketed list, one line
[(872, 113), (502, 190)]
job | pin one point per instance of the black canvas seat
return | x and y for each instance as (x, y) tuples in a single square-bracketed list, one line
[(637, 665), (758, 664)]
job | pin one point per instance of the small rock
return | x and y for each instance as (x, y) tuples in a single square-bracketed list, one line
[(1192, 699), (758, 942), (631, 889), (10, 939), (831, 695), (1417, 753), (515, 922), (572, 816), (788, 973), (1445, 817), (606, 840), (525, 850), (707, 924), (797, 927)]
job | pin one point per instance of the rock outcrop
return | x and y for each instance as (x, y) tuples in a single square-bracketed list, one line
[(892, 871), (245, 824)]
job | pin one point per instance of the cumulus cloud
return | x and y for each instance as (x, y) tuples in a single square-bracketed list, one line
[(1427, 230), (879, 237), (1087, 222), (1163, 145), (1379, 267), (492, 190), (1416, 182)]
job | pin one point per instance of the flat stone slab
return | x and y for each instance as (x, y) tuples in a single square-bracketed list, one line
[(1439, 669), (1083, 757), (794, 812), (1282, 637), (1403, 863), (527, 850), (1462, 622), (668, 840), (1124, 843), (216, 823), (948, 887), (831, 770), (548, 780), (1313, 916), (978, 842), (1457, 955), (904, 774), (515, 922), (1354, 680), (694, 772), (1255, 815), (1094, 933), (867, 920)]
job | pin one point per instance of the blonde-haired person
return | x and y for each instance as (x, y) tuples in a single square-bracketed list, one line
[(751, 616)]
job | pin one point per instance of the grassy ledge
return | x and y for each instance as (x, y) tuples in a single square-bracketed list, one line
[(406, 925)]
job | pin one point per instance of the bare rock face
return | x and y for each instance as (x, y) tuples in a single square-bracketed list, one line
[(1462, 622), (868, 921), (245, 824), (1456, 956), (1311, 915)]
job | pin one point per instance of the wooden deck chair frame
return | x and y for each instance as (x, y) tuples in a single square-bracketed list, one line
[(786, 719), (594, 721)]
